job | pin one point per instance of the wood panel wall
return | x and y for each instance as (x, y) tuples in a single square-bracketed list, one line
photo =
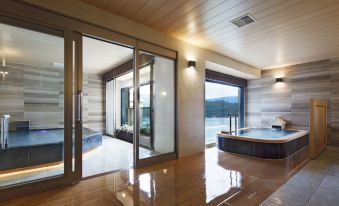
[(37, 94), (266, 99)]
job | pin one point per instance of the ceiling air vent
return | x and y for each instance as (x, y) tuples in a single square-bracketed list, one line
[(243, 20)]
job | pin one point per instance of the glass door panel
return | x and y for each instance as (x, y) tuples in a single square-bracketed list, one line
[(31, 105), (156, 105), (145, 116)]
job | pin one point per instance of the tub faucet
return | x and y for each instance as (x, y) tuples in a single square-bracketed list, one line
[(4, 121)]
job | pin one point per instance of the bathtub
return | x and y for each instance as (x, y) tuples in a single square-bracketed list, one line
[(44, 146), (264, 143)]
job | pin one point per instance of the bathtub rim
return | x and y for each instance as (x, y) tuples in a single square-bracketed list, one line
[(61, 141), (279, 140)]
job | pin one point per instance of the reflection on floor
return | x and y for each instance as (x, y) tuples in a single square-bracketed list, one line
[(30, 175), (213, 178), (113, 155), (316, 184)]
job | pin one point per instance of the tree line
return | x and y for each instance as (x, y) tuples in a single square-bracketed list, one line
[(220, 108)]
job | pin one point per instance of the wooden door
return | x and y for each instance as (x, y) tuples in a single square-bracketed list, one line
[(318, 126)]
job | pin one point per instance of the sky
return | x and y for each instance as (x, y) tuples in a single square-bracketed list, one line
[(214, 90)]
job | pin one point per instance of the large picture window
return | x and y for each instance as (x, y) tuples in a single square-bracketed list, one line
[(223, 99)]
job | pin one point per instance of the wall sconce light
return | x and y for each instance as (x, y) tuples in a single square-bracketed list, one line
[(4, 74), (191, 64), (280, 79)]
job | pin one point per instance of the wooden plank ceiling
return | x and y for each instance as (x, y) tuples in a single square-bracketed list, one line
[(285, 32)]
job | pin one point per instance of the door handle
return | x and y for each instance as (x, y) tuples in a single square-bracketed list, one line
[(79, 107)]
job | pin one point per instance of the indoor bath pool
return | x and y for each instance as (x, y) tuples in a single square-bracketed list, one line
[(269, 134), (35, 147), (265, 143)]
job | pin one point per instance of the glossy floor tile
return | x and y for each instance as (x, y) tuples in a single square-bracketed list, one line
[(316, 184), (95, 162), (101, 159), (212, 178)]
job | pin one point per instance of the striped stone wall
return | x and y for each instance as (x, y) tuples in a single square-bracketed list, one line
[(37, 94), (266, 99), (94, 104), (32, 93)]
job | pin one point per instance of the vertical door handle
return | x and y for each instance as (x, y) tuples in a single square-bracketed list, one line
[(79, 107)]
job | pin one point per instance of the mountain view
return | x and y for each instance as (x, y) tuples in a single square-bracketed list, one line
[(231, 99), (221, 106)]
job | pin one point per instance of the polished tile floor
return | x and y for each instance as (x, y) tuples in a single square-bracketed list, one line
[(316, 184), (212, 178), (114, 154)]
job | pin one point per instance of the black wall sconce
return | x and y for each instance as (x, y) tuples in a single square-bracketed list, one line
[(191, 64), (278, 79)]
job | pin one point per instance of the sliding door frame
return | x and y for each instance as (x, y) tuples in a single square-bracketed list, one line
[(77, 98), (169, 54), (65, 178), (110, 39), (136, 95)]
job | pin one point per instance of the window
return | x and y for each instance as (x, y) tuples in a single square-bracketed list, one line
[(222, 101)]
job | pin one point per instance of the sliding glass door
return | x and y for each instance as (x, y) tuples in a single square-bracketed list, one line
[(107, 106), (57, 110), (156, 101), (32, 88), (121, 107), (51, 129)]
